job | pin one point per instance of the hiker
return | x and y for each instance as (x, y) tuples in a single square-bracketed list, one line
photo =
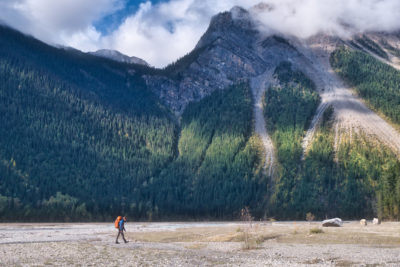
[(121, 229)]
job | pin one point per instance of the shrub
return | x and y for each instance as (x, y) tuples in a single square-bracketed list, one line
[(310, 217), (316, 231)]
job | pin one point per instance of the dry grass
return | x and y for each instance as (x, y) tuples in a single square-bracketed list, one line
[(196, 246), (313, 261), (347, 263), (352, 233), (209, 234), (385, 234)]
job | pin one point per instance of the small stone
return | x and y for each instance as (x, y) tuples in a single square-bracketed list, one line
[(376, 221)]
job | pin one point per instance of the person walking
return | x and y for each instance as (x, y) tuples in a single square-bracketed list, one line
[(121, 229)]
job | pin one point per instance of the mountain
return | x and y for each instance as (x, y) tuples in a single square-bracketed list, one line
[(117, 56), (78, 132), (283, 125)]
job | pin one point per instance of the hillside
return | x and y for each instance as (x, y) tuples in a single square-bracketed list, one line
[(281, 125), (78, 133), (84, 139)]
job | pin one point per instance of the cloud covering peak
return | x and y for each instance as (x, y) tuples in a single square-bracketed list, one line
[(161, 33), (304, 18)]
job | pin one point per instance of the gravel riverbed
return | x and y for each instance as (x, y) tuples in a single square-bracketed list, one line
[(200, 244)]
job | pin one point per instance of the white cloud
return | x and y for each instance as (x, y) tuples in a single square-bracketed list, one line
[(159, 34), (304, 18), (57, 21), (163, 32)]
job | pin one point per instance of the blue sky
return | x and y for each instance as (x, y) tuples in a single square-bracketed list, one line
[(110, 23)]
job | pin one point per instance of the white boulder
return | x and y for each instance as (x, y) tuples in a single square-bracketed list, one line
[(363, 222), (335, 222), (376, 221)]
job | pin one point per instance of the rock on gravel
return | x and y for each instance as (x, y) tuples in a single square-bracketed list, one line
[(376, 221), (335, 222)]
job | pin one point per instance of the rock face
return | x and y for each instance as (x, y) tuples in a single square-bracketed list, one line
[(336, 222), (230, 50), (363, 222), (224, 55), (118, 56), (234, 49)]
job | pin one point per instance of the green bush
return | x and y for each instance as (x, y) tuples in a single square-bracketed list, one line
[(316, 231)]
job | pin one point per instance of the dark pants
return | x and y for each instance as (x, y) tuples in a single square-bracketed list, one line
[(120, 232)]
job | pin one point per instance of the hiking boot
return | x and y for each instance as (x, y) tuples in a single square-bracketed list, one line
[(126, 241), (116, 242)]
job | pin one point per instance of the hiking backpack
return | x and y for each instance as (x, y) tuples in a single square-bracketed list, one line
[(117, 221)]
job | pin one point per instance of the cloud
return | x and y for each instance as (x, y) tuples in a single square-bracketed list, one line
[(164, 32), (304, 18), (58, 22), (161, 33)]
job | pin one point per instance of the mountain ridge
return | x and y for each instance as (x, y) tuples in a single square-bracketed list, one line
[(245, 119), (118, 56)]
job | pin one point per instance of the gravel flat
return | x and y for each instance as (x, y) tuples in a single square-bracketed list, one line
[(200, 244)]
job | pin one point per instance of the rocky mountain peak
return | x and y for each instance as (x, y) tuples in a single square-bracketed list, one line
[(231, 49), (229, 25), (118, 56), (234, 49)]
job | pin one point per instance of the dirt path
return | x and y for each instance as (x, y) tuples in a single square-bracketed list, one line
[(325, 88), (325, 85), (259, 85), (351, 113)]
